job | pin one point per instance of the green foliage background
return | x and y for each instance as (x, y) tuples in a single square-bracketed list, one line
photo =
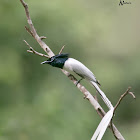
[(38, 101)]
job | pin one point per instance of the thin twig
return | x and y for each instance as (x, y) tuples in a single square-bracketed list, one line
[(27, 44), (28, 17), (118, 103), (35, 52), (61, 49), (122, 96), (33, 32), (43, 37), (29, 31), (132, 94)]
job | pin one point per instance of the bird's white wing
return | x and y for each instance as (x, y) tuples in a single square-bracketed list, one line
[(80, 69)]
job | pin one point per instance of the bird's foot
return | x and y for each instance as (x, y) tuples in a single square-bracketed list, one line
[(78, 81)]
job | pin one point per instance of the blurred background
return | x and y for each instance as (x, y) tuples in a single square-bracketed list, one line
[(38, 101)]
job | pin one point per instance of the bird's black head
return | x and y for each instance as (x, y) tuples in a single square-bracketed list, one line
[(57, 60)]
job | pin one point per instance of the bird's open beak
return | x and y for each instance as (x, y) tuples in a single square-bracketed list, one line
[(48, 61), (45, 62)]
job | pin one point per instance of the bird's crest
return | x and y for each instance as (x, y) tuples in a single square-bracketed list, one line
[(62, 55)]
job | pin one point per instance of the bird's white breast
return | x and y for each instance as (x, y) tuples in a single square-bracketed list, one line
[(69, 64)]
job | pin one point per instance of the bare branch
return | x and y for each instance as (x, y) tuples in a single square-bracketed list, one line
[(27, 44), (34, 33), (28, 17), (35, 52), (118, 103), (29, 31), (122, 96), (61, 49), (43, 37), (132, 94)]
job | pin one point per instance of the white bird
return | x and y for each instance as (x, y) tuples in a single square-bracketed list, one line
[(72, 65)]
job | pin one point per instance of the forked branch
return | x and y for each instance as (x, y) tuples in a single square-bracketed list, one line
[(118, 103), (122, 97), (31, 50)]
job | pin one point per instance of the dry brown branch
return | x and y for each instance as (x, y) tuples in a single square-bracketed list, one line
[(33, 31), (122, 96), (43, 37), (118, 103), (61, 49), (86, 93), (132, 94), (35, 52), (29, 31)]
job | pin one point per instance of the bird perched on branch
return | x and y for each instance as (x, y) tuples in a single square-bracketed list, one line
[(72, 65)]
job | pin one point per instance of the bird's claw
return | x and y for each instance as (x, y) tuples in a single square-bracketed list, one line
[(77, 82)]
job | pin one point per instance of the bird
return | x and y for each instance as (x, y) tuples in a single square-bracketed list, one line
[(63, 61)]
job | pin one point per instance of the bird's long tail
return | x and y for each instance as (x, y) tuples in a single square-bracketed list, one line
[(106, 119), (103, 96), (103, 126)]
